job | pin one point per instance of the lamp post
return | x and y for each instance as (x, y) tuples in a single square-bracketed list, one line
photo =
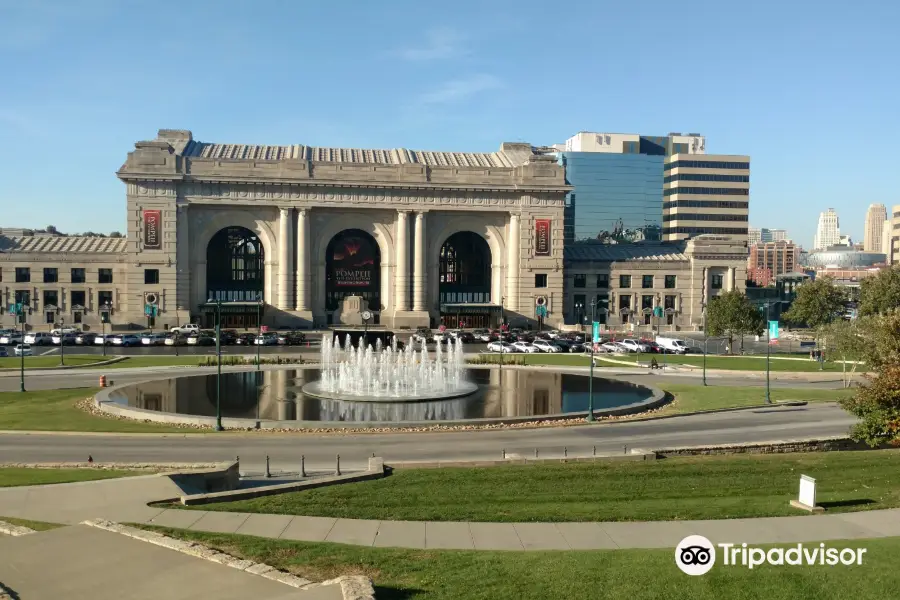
[(768, 352), (500, 341), (218, 304), (104, 317), (20, 311), (62, 343), (590, 415), (705, 343), (258, 333)]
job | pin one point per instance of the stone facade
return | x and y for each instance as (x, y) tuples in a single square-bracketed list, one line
[(682, 277), (295, 199)]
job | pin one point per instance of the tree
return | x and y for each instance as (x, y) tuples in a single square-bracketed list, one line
[(877, 405), (732, 314), (818, 303), (116, 234), (845, 340), (52, 229), (880, 294)]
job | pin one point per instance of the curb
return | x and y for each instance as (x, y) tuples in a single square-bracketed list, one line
[(15, 531), (13, 371), (354, 587)]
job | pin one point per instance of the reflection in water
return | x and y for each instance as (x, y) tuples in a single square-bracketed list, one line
[(277, 395)]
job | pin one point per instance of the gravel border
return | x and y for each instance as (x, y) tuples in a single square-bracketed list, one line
[(353, 587), (14, 530)]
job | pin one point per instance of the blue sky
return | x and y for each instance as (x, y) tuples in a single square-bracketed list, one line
[(808, 89)]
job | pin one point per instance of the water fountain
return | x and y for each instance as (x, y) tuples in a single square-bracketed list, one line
[(387, 374)]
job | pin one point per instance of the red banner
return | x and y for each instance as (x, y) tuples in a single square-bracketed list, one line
[(542, 241), (152, 230)]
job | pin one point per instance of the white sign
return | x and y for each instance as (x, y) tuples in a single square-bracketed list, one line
[(807, 490)]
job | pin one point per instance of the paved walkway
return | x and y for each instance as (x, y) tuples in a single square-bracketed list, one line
[(84, 563), (125, 500)]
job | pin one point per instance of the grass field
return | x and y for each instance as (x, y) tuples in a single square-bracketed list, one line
[(36, 525), (614, 574), (17, 476), (693, 398), (562, 360), (55, 410), (708, 487), (734, 363), (32, 362)]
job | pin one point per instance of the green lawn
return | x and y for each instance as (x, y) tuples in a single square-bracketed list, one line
[(707, 487), (735, 363), (615, 574), (31, 362), (565, 360), (133, 362), (693, 398), (36, 525), (55, 410), (16, 476)]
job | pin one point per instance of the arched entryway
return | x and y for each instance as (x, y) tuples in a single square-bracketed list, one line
[(353, 268), (464, 281), (235, 277)]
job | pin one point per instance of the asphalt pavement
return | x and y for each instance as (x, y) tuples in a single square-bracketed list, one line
[(320, 450)]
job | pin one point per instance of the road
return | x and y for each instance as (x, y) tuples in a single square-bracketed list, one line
[(756, 425)]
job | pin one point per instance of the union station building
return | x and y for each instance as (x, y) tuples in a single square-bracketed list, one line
[(300, 236)]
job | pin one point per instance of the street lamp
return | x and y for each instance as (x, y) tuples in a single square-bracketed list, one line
[(62, 343), (218, 304), (258, 333), (705, 342), (500, 340), (590, 415), (768, 352), (104, 317), (22, 316)]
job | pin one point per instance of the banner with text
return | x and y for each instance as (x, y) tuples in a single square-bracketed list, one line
[(542, 241), (152, 230)]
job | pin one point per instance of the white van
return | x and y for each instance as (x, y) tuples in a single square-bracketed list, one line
[(673, 345), (39, 338)]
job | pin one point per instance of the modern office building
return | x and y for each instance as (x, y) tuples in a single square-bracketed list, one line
[(828, 231), (770, 259), (875, 218), (709, 194), (618, 184), (758, 235)]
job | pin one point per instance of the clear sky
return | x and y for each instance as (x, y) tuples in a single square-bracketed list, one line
[(809, 89)]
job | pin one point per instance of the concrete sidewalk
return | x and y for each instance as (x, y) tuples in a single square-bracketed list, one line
[(125, 500), (536, 536), (85, 563)]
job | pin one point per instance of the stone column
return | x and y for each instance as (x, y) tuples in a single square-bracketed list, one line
[(401, 275), (419, 288), (284, 260), (730, 285), (302, 300), (512, 263)]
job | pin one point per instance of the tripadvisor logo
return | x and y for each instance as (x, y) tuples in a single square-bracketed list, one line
[(696, 555)]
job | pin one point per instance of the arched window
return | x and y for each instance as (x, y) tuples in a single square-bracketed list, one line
[(465, 269), (353, 267), (235, 266)]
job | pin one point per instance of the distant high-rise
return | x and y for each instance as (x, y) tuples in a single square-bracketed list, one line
[(875, 218), (828, 233), (761, 235)]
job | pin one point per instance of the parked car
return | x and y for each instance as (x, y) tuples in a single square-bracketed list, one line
[(499, 346), (9, 339), (23, 350), (3, 352), (39, 338), (62, 339), (423, 334), (673, 345), (69, 329), (291, 338), (201, 338), (465, 337), (103, 340), (266, 339), (612, 347), (245, 339), (186, 328), (175, 339), (85, 338), (127, 340), (546, 346), (153, 339), (524, 347), (482, 335)]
